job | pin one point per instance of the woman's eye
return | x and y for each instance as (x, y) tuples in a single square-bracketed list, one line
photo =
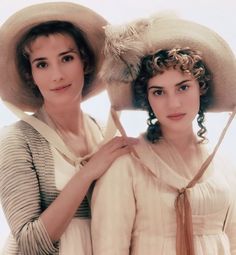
[(184, 87), (41, 65), (67, 58), (158, 92)]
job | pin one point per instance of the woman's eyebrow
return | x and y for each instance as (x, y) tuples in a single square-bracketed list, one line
[(155, 87), (160, 87), (68, 51), (38, 59), (60, 54), (180, 83)]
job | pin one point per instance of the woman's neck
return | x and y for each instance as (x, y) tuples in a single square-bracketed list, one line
[(68, 123), (65, 119), (181, 140)]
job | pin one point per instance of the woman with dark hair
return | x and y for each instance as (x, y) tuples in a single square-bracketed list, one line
[(51, 54), (171, 195), (55, 27), (185, 60)]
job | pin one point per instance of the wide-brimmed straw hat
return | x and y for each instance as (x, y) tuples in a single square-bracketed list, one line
[(12, 88), (127, 44)]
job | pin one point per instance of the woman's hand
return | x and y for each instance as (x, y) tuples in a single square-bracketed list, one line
[(106, 154)]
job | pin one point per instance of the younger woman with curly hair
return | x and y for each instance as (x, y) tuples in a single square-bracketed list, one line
[(172, 195), (186, 61)]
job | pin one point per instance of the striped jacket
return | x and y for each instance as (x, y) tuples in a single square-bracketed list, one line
[(27, 188)]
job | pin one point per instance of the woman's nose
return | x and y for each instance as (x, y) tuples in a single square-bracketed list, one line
[(174, 101), (57, 73)]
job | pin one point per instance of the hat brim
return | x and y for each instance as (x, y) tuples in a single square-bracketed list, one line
[(170, 33), (91, 23)]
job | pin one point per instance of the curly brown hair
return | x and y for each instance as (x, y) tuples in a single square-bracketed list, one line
[(183, 59)]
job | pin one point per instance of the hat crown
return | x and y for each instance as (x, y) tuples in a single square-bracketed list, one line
[(146, 36), (12, 88)]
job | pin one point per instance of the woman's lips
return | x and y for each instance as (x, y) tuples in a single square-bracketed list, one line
[(61, 88), (176, 116)]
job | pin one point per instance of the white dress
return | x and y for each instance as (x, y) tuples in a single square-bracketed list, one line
[(133, 209), (77, 238)]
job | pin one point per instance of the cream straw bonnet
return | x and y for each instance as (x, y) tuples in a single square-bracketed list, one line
[(126, 44), (12, 88)]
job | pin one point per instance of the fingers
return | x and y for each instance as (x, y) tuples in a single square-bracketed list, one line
[(120, 146), (131, 140), (108, 153), (120, 142), (119, 152)]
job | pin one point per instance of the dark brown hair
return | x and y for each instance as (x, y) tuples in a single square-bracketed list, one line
[(46, 29), (183, 59)]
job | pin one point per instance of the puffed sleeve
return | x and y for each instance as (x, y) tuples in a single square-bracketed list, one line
[(113, 209), (20, 194)]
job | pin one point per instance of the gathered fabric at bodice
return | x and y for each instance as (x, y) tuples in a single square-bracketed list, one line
[(133, 205)]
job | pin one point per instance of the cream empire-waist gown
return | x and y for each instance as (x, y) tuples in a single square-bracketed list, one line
[(133, 208), (77, 237)]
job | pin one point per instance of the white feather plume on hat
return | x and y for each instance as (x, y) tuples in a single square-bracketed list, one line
[(126, 45), (123, 49)]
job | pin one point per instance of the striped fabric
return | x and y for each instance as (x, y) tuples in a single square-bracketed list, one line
[(27, 188)]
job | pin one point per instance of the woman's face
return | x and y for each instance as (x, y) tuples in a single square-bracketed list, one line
[(174, 97), (57, 68)]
